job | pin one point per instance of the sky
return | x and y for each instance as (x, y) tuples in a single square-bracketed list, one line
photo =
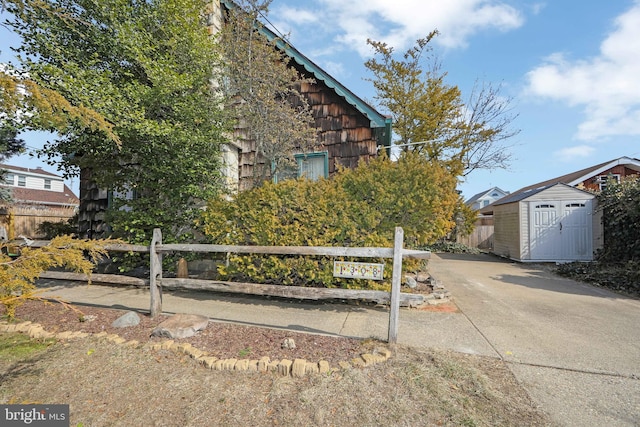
[(570, 67)]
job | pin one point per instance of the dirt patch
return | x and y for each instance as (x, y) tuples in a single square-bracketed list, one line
[(447, 307), (222, 340)]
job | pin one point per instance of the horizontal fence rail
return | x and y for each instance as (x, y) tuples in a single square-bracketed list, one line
[(156, 282)]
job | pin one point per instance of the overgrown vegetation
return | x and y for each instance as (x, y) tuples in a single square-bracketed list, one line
[(18, 274), (621, 277), (620, 203), (357, 207), (51, 229), (145, 68), (617, 264), (451, 247)]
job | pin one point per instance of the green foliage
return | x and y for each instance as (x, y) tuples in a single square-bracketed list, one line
[(53, 229), (356, 208), (15, 346), (620, 203), (17, 276), (10, 144), (146, 67), (451, 247)]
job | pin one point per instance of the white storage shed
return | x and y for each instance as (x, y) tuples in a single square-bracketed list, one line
[(552, 223)]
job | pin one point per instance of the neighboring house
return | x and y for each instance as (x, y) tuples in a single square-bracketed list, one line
[(36, 196), (348, 129), (485, 198), (482, 235), (556, 220)]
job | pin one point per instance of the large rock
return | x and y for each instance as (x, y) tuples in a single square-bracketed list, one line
[(181, 326), (130, 318)]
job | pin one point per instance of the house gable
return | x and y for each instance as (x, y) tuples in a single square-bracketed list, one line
[(486, 198), (348, 129), (37, 187)]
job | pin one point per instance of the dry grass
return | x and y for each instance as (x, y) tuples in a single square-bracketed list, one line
[(108, 384)]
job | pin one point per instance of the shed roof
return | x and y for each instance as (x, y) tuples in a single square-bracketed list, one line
[(571, 179), (522, 195)]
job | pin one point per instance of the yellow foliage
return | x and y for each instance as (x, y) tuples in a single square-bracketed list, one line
[(18, 276), (356, 208), (46, 108)]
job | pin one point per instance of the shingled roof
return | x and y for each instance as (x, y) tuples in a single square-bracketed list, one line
[(44, 197)]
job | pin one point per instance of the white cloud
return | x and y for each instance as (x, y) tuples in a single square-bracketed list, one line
[(572, 153), (298, 15), (607, 86), (402, 22)]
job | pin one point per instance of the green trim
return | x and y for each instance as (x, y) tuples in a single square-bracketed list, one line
[(377, 120), (302, 156)]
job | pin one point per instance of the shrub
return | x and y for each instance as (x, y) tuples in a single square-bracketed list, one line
[(357, 207), (51, 229), (621, 221), (17, 276)]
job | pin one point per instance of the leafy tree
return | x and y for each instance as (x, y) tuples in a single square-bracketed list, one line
[(620, 203), (264, 90), (430, 117), (17, 276), (146, 67), (10, 145)]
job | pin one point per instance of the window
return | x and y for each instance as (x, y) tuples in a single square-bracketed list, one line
[(485, 203), (309, 165), (9, 179), (22, 181), (47, 184), (604, 179), (313, 165)]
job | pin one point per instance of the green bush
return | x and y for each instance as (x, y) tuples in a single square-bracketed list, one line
[(446, 246), (62, 228), (621, 221), (357, 207)]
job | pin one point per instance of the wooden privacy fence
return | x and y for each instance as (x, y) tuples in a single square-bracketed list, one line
[(24, 220), (156, 281)]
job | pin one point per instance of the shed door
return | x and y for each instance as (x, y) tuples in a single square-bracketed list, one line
[(561, 230), (545, 237)]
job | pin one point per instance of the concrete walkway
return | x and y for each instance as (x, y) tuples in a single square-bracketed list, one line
[(575, 348)]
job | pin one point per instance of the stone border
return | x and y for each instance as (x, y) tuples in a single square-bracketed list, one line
[(296, 368)]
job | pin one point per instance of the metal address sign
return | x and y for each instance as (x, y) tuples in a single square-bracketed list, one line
[(358, 270)]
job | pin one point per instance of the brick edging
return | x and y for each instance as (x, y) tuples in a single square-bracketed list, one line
[(296, 368)]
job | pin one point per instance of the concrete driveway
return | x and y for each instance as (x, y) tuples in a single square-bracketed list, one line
[(574, 347)]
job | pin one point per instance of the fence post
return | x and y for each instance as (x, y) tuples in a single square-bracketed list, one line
[(155, 279), (396, 280)]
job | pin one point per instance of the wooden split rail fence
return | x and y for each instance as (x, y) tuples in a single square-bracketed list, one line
[(156, 282)]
